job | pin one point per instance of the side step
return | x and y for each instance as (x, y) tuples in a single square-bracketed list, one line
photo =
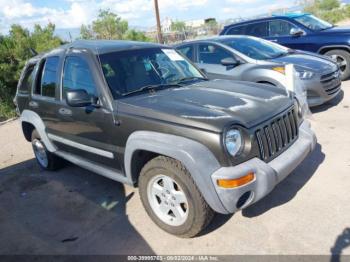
[(96, 168)]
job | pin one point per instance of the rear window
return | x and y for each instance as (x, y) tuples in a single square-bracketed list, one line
[(27, 81)]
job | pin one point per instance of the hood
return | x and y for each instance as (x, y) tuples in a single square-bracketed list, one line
[(303, 61), (210, 105), (336, 30)]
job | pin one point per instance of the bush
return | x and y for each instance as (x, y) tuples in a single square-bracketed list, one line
[(7, 108)]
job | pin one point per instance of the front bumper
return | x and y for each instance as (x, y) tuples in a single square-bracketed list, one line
[(267, 175)]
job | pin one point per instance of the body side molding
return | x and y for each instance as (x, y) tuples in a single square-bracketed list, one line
[(80, 146)]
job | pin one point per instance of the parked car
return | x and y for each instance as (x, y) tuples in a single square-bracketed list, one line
[(302, 32), (141, 114), (253, 59)]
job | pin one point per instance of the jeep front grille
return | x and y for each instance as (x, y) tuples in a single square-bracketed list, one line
[(274, 137)]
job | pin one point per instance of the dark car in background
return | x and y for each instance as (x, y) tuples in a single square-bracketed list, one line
[(248, 58), (302, 32)]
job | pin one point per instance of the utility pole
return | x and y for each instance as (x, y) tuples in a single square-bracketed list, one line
[(159, 28)]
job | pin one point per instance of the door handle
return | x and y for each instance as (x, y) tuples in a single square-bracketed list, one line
[(274, 40), (33, 104), (65, 112)]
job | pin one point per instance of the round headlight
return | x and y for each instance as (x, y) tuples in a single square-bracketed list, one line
[(233, 142)]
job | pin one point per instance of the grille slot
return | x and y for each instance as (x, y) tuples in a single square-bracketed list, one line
[(274, 137), (331, 82)]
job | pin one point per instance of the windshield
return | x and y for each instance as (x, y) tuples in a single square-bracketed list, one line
[(256, 48), (126, 72), (313, 23)]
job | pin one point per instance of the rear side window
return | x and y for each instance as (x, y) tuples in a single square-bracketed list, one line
[(237, 30), (27, 81), (212, 54), (187, 51), (257, 29), (77, 75), (47, 82)]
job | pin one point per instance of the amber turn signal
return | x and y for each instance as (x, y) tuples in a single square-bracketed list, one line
[(279, 69), (232, 183)]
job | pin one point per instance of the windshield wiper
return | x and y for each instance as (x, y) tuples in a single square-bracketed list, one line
[(190, 78), (150, 87)]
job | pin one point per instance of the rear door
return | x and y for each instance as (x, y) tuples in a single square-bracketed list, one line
[(85, 131), (209, 58), (45, 91)]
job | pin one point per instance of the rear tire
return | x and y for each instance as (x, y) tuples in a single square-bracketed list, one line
[(342, 58), (45, 159), (172, 199)]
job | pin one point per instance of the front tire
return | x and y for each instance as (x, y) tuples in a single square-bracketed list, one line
[(342, 58), (45, 159), (172, 199)]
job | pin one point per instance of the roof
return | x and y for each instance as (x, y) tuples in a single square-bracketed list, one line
[(106, 46), (291, 15), (99, 47), (274, 16), (219, 38)]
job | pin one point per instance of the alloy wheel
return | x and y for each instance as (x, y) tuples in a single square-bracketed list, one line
[(167, 200)]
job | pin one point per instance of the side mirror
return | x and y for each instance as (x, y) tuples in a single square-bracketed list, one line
[(229, 61), (296, 32), (78, 98)]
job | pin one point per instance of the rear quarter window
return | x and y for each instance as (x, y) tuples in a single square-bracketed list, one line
[(27, 80)]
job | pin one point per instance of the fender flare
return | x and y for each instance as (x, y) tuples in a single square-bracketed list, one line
[(34, 119), (197, 158)]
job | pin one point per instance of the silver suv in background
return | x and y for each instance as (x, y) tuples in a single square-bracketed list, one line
[(253, 59)]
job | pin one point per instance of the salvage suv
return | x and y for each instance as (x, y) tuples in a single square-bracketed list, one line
[(143, 115)]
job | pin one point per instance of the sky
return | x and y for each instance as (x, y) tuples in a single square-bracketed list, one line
[(67, 14)]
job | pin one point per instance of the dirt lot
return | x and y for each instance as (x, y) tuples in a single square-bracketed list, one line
[(74, 211)]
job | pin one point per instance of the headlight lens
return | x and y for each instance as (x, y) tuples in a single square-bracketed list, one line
[(305, 74), (233, 142)]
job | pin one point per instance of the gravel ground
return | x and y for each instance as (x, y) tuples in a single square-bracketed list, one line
[(74, 211)]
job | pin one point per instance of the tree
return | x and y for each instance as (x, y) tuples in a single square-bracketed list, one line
[(178, 26), (135, 35), (14, 52), (328, 5), (329, 10), (86, 32), (109, 25)]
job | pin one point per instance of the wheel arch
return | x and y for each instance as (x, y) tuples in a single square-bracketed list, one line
[(325, 49), (27, 129), (197, 159), (30, 119)]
